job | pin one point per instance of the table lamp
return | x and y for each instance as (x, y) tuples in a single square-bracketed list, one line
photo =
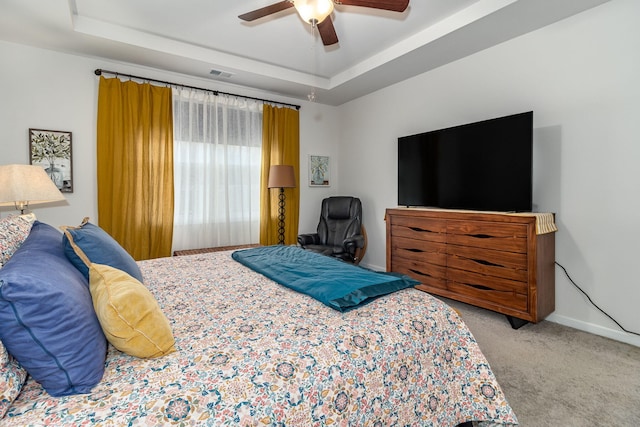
[(25, 185)]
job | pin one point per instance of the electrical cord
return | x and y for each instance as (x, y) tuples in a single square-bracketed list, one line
[(593, 303)]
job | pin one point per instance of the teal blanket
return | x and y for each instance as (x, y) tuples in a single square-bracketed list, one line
[(333, 282)]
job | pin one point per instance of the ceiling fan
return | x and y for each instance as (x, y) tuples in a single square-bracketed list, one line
[(317, 12)]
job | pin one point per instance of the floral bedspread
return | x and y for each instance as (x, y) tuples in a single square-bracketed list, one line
[(253, 353)]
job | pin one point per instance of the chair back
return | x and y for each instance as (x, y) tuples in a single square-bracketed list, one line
[(340, 218)]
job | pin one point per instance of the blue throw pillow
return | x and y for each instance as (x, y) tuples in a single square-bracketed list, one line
[(47, 318), (88, 243)]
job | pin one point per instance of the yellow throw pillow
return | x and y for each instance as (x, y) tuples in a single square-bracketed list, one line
[(129, 314)]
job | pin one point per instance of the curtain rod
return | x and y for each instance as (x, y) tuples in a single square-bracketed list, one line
[(99, 72)]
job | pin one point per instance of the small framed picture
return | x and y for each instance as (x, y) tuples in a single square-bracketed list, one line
[(319, 171), (51, 149)]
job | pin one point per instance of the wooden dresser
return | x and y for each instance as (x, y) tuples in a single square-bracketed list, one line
[(492, 260)]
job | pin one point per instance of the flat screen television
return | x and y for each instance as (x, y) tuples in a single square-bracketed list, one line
[(484, 166)]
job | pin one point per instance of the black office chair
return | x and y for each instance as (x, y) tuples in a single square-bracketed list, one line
[(340, 231)]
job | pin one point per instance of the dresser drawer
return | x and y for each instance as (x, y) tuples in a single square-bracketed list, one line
[(428, 274), (488, 235), (433, 252), (478, 280), (488, 298), (430, 230), (509, 265), (504, 292)]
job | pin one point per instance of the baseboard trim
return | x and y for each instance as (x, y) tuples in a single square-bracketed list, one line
[(215, 249), (595, 329), (372, 266)]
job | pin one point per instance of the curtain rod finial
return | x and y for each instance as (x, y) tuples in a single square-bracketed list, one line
[(98, 72)]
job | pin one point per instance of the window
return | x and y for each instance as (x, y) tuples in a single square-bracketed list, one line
[(217, 156)]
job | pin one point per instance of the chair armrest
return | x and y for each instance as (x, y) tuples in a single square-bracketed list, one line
[(352, 243), (308, 239)]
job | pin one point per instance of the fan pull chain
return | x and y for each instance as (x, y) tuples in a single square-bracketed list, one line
[(312, 95)]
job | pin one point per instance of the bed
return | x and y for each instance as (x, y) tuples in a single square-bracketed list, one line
[(248, 351)]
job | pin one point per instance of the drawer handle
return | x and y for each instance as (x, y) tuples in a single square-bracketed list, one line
[(481, 236), (483, 262), (419, 272), (422, 230), (414, 250), (481, 287)]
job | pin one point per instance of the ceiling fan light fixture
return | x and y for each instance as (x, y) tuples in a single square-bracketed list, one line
[(313, 11)]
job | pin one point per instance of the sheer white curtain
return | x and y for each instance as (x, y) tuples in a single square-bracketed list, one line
[(217, 145)]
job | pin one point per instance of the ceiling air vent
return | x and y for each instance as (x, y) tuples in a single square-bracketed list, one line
[(220, 73)]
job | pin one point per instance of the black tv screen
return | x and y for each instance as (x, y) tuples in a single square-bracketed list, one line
[(485, 165)]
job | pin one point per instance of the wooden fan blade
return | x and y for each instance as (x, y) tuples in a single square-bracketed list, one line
[(327, 32), (393, 5), (267, 10)]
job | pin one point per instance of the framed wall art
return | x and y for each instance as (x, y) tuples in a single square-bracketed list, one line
[(319, 171), (51, 149)]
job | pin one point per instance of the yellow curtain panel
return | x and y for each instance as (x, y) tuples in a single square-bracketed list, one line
[(280, 146), (135, 166)]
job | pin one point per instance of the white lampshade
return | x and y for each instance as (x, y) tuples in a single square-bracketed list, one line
[(24, 185), (313, 11)]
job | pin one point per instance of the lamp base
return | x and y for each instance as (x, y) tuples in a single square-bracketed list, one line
[(281, 217), (22, 206)]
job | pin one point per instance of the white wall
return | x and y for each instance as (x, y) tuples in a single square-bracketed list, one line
[(581, 77), (319, 135), (44, 89)]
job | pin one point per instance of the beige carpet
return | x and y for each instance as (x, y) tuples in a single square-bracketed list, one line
[(554, 375)]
